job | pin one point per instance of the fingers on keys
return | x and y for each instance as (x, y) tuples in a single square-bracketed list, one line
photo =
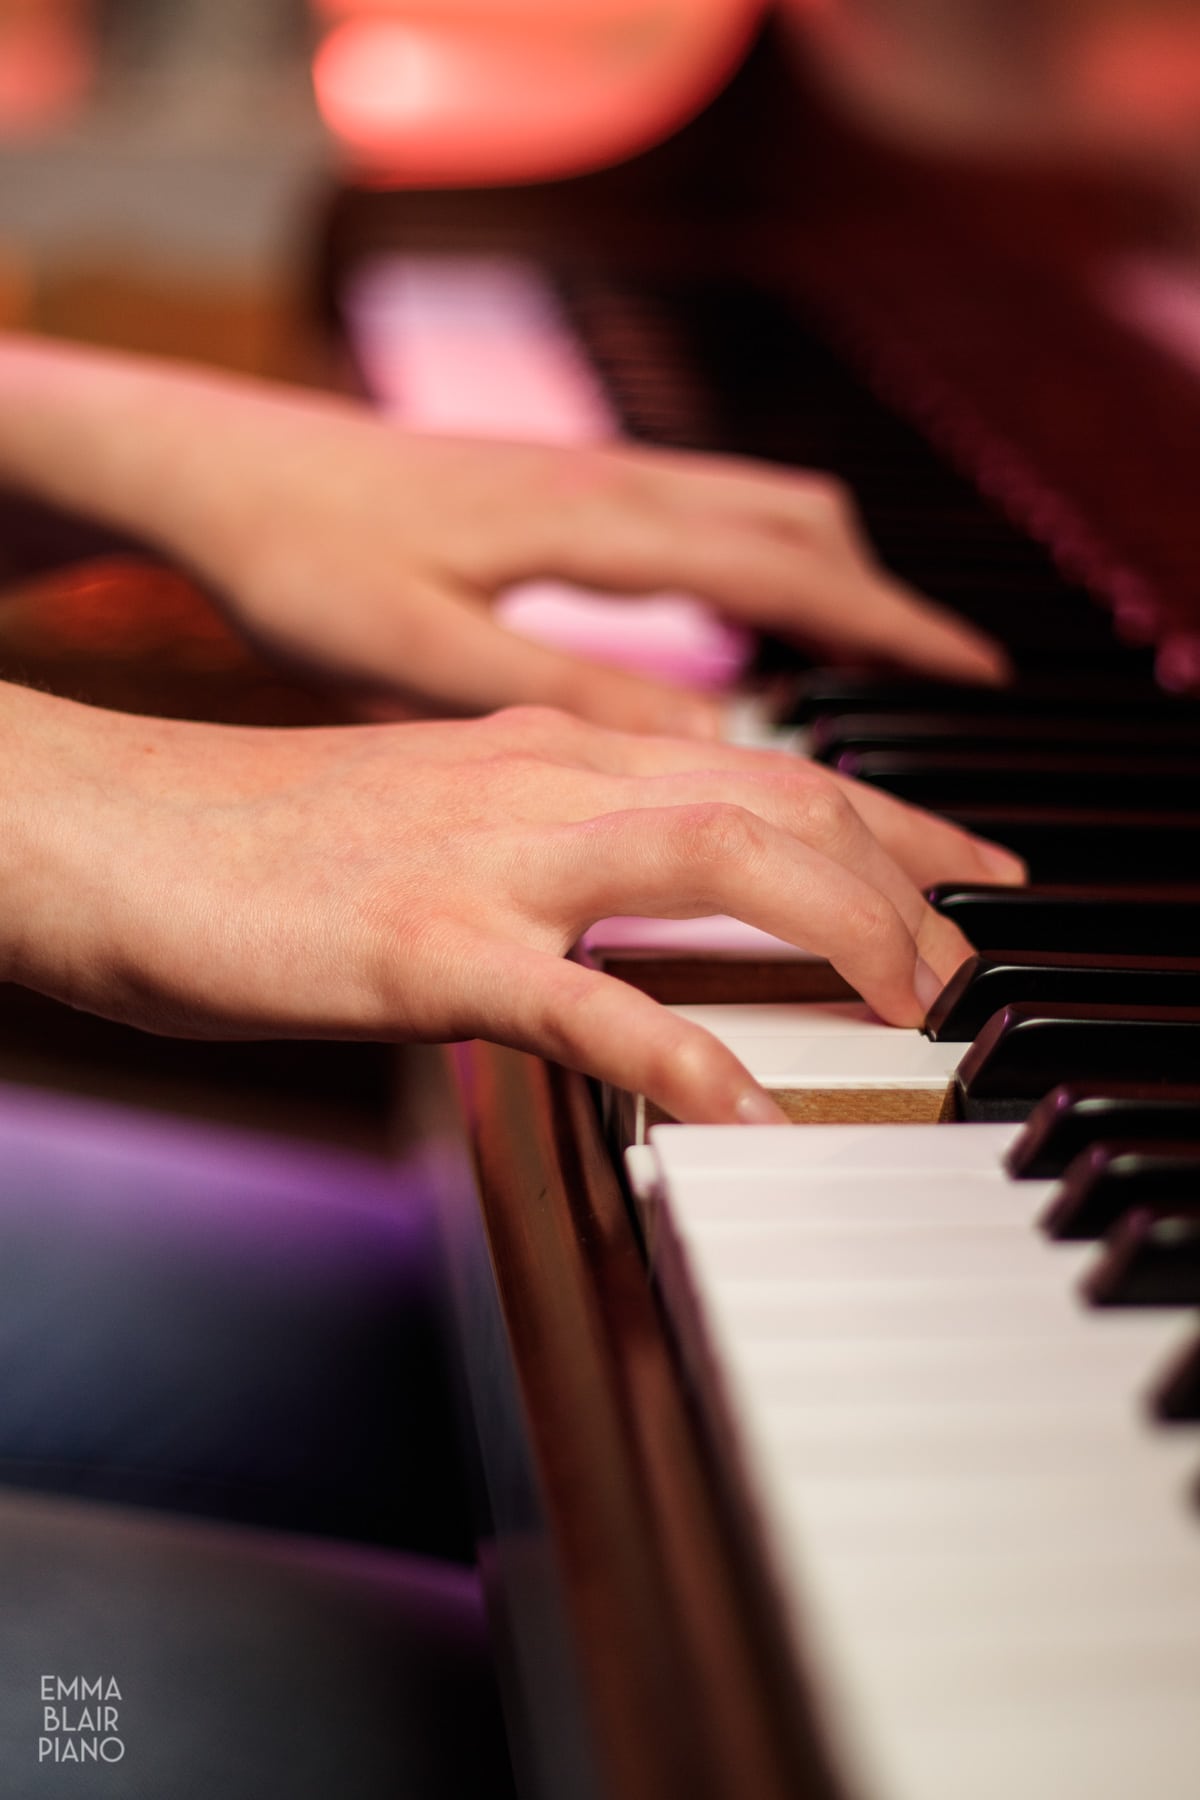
[(714, 857), (607, 1029), (784, 550)]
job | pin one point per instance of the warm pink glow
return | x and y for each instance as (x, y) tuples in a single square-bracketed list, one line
[(1145, 73), (519, 13), (46, 68), (470, 93)]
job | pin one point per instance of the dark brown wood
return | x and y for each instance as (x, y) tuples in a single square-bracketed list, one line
[(685, 1669), (690, 980)]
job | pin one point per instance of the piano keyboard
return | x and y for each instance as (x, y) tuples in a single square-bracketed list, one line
[(987, 1557), (826, 1064)]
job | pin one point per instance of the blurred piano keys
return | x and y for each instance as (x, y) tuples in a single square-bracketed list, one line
[(956, 320)]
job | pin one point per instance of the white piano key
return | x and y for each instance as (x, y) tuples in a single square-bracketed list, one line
[(971, 1522), (825, 1048), (851, 1373), (714, 935), (475, 345), (832, 1019), (757, 1310), (886, 1061), (686, 1150), (965, 1511), (944, 1599), (906, 1441), (908, 1255), (479, 346), (835, 1200), (1085, 1734)]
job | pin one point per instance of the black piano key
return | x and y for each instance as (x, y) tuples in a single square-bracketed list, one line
[(830, 694), (1175, 1398), (1087, 920), (1110, 1179), (831, 734), (1027, 1049), (754, 376), (991, 980), (1076, 847), (1152, 1258), (1075, 1114), (938, 780)]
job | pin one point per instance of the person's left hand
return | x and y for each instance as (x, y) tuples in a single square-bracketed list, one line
[(343, 541), (379, 553)]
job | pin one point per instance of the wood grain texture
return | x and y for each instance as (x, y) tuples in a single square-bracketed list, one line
[(686, 1673)]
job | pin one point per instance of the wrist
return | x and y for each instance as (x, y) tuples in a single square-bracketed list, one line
[(51, 766), (134, 444)]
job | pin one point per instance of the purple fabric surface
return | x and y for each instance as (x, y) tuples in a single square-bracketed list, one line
[(212, 1321)]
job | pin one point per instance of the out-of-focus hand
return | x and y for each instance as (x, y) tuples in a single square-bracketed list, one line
[(343, 541), (423, 881), (381, 553)]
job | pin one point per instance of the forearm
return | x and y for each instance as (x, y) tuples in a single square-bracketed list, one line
[(49, 761), (144, 447)]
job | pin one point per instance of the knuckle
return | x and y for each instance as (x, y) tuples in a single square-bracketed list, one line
[(535, 733), (530, 725), (714, 833), (828, 821), (876, 929), (682, 1062), (562, 1013), (584, 483)]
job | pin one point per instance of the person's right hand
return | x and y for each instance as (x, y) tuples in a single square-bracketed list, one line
[(424, 882)]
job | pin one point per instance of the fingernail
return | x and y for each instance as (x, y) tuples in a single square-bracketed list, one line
[(756, 1107), (927, 984), (1008, 867)]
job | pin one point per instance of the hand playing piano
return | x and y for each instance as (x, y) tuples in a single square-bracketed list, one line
[(425, 881), (341, 541)]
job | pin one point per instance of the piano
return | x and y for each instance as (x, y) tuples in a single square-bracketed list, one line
[(858, 1461)]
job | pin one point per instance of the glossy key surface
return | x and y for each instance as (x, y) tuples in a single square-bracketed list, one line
[(990, 980), (1076, 1114), (1110, 1179), (1105, 920), (1028, 1049)]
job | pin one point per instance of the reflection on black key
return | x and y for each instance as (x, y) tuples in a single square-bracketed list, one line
[(830, 735), (1176, 1399), (1111, 1179), (985, 983), (937, 779), (1151, 1259), (830, 693), (1076, 1114), (1089, 847), (1076, 919), (1028, 1049)]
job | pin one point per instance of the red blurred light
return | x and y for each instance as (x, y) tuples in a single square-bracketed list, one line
[(446, 97), (46, 69)]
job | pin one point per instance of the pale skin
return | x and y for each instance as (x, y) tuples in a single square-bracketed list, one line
[(420, 881), (335, 536)]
